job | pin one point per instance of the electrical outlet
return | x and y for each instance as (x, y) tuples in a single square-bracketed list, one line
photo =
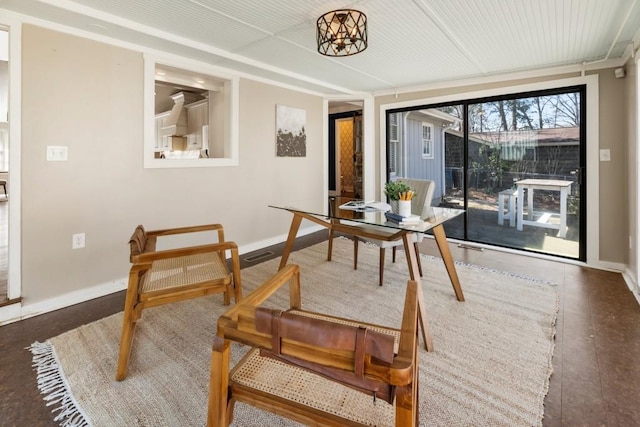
[(77, 241)]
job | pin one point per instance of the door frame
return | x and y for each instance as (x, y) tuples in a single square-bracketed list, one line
[(14, 284), (368, 140), (335, 147), (592, 241)]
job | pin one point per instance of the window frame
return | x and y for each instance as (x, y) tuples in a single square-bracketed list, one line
[(427, 143), (231, 119)]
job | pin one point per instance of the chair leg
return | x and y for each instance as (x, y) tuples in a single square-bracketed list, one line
[(393, 254), (355, 252), (235, 270), (126, 341), (128, 326), (217, 414), (330, 249), (415, 245), (381, 265)]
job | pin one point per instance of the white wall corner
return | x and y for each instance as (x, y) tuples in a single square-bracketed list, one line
[(632, 283), (10, 313)]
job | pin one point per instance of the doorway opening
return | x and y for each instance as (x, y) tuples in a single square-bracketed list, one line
[(515, 163), (346, 157)]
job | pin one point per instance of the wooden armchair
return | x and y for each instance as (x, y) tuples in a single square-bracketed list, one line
[(163, 276), (314, 368)]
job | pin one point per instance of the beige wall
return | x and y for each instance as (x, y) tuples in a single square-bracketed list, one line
[(613, 135), (88, 96), (614, 207)]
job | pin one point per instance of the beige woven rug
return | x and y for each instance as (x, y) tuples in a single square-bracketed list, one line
[(491, 364)]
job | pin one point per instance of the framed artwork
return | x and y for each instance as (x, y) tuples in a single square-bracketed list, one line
[(291, 139)]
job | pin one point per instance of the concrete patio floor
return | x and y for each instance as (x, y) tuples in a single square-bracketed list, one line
[(484, 228)]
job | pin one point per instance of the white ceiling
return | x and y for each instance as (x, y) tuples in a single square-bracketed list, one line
[(411, 42)]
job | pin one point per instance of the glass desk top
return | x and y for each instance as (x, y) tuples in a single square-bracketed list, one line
[(432, 216)]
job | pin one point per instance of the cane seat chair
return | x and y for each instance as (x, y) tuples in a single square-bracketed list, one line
[(314, 368), (388, 238), (160, 277)]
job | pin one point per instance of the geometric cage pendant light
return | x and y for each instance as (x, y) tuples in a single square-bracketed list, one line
[(342, 32)]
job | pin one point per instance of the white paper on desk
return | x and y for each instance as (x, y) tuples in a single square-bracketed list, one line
[(377, 206), (366, 206)]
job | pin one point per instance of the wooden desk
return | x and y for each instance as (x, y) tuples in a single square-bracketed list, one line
[(433, 220), (542, 184)]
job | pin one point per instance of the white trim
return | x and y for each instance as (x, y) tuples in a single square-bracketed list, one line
[(636, 241), (14, 285), (503, 77), (368, 142), (61, 301), (10, 313), (592, 132), (369, 148), (631, 283), (112, 20), (593, 169)]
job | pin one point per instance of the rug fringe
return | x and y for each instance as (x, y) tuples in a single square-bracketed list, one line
[(52, 384)]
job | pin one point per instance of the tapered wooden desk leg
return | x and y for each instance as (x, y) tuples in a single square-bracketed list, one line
[(423, 321), (288, 246), (330, 248), (443, 247)]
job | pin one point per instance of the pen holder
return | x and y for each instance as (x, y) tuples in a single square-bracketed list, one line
[(404, 208)]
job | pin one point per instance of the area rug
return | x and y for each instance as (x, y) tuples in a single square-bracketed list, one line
[(491, 364)]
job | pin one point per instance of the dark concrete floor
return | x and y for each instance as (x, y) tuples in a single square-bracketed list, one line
[(596, 379)]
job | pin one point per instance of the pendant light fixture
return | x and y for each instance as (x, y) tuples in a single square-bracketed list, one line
[(342, 32)]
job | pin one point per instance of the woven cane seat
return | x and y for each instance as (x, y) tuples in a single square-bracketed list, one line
[(294, 384), (299, 385), (185, 271)]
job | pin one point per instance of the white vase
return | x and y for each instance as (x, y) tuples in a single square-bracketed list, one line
[(404, 208)]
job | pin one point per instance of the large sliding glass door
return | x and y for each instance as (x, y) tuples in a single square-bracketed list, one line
[(515, 163)]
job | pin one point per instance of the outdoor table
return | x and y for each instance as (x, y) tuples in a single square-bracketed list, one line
[(542, 184)]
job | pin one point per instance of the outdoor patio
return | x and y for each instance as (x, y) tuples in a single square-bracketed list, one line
[(482, 212)]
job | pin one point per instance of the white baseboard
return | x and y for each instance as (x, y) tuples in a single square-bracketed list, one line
[(23, 310), (609, 266), (19, 311), (255, 246), (10, 313), (632, 283)]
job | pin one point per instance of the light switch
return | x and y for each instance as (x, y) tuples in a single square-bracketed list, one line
[(605, 155), (57, 153)]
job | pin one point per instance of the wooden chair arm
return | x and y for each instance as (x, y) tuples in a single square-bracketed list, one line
[(409, 329), (187, 229), (147, 257), (290, 274)]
